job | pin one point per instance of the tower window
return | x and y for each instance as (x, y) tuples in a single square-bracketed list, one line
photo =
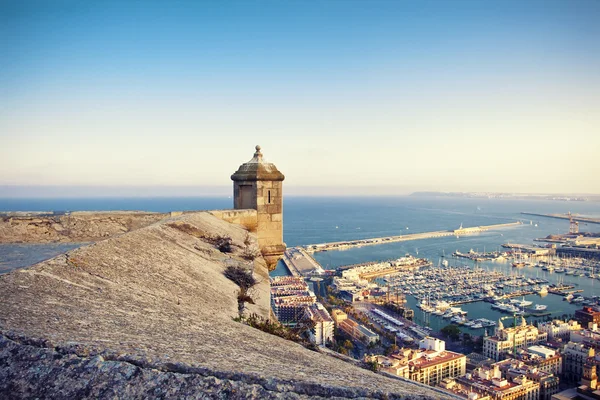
[(269, 196)]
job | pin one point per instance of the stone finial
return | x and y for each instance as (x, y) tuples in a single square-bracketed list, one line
[(258, 154), (257, 169)]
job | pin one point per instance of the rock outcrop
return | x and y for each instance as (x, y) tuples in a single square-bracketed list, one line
[(81, 226), (150, 314)]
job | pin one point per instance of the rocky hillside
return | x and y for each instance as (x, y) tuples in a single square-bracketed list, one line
[(150, 314), (79, 226)]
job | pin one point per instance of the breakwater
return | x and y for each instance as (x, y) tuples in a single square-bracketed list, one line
[(313, 248), (564, 216)]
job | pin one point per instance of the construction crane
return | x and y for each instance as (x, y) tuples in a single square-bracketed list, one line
[(573, 225)]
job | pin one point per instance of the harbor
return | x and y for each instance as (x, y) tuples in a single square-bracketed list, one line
[(479, 287), (468, 296)]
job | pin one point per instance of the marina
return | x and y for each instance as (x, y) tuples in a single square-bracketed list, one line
[(565, 283)]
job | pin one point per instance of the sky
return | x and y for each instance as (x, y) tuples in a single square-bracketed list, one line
[(169, 98)]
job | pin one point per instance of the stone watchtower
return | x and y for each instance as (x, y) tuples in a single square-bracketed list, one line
[(257, 185)]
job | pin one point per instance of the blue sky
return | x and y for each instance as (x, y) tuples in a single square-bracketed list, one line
[(392, 95)]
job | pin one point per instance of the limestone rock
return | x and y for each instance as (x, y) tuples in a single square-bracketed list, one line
[(149, 313)]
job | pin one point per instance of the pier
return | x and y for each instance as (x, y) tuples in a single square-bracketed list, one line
[(300, 263), (313, 248), (565, 216)]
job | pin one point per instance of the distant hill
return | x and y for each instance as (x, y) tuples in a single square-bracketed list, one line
[(522, 196)]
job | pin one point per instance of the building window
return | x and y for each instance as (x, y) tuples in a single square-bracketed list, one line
[(269, 196)]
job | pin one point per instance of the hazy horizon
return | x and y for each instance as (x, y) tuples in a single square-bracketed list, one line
[(15, 192), (391, 96)]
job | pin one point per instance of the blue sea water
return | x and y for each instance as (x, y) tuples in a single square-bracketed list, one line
[(309, 220)]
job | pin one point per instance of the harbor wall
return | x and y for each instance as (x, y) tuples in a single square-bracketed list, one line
[(314, 248)]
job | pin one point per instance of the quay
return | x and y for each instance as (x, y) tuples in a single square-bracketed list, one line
[(300, 263), (565, 216), (371, 270), (517, 293), (313, 248), (564, 290)]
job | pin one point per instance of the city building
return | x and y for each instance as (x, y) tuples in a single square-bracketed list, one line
[(475, 360), (589, 389), (542, 358), (338, 316), (589, 337), (558, 329), (430, 364), (588, 315), (391, 365), (358, 332), (322, 324), (589, 381), (289, 282), (350, 296), (340, 284), (489, 382), (506, 340), (451, 386), (290, 297), (512, 368), (575, 356)]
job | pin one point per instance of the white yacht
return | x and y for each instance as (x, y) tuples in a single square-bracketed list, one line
[(543, 290), (521, 303)]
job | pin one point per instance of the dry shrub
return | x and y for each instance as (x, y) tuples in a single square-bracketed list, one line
[(222, 243)]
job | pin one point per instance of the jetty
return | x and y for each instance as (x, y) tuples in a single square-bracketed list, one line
[(566, 216), (300, 263), (344, 245)]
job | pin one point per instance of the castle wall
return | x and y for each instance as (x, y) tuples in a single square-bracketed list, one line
[(245, 218), (270, 213)]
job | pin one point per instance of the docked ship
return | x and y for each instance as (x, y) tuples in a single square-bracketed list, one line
[(521, 303), (537, 309)]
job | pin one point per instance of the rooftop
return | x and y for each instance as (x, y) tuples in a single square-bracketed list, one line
[(257, 169), (431, 357)]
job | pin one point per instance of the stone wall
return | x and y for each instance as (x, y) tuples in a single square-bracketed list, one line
[(245, 218), (270, 214)]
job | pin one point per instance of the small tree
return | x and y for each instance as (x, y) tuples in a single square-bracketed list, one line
[(452, 331), (373, 366), (391, 349)]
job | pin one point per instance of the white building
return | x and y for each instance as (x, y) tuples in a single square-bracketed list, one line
[(506, 339), (587, 336), (431, 343), (575, 356), (558, 329), (322, 330)]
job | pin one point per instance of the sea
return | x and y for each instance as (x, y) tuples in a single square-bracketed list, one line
[(311, 220)]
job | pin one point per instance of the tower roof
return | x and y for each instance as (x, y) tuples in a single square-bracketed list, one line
[(257, 169)]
